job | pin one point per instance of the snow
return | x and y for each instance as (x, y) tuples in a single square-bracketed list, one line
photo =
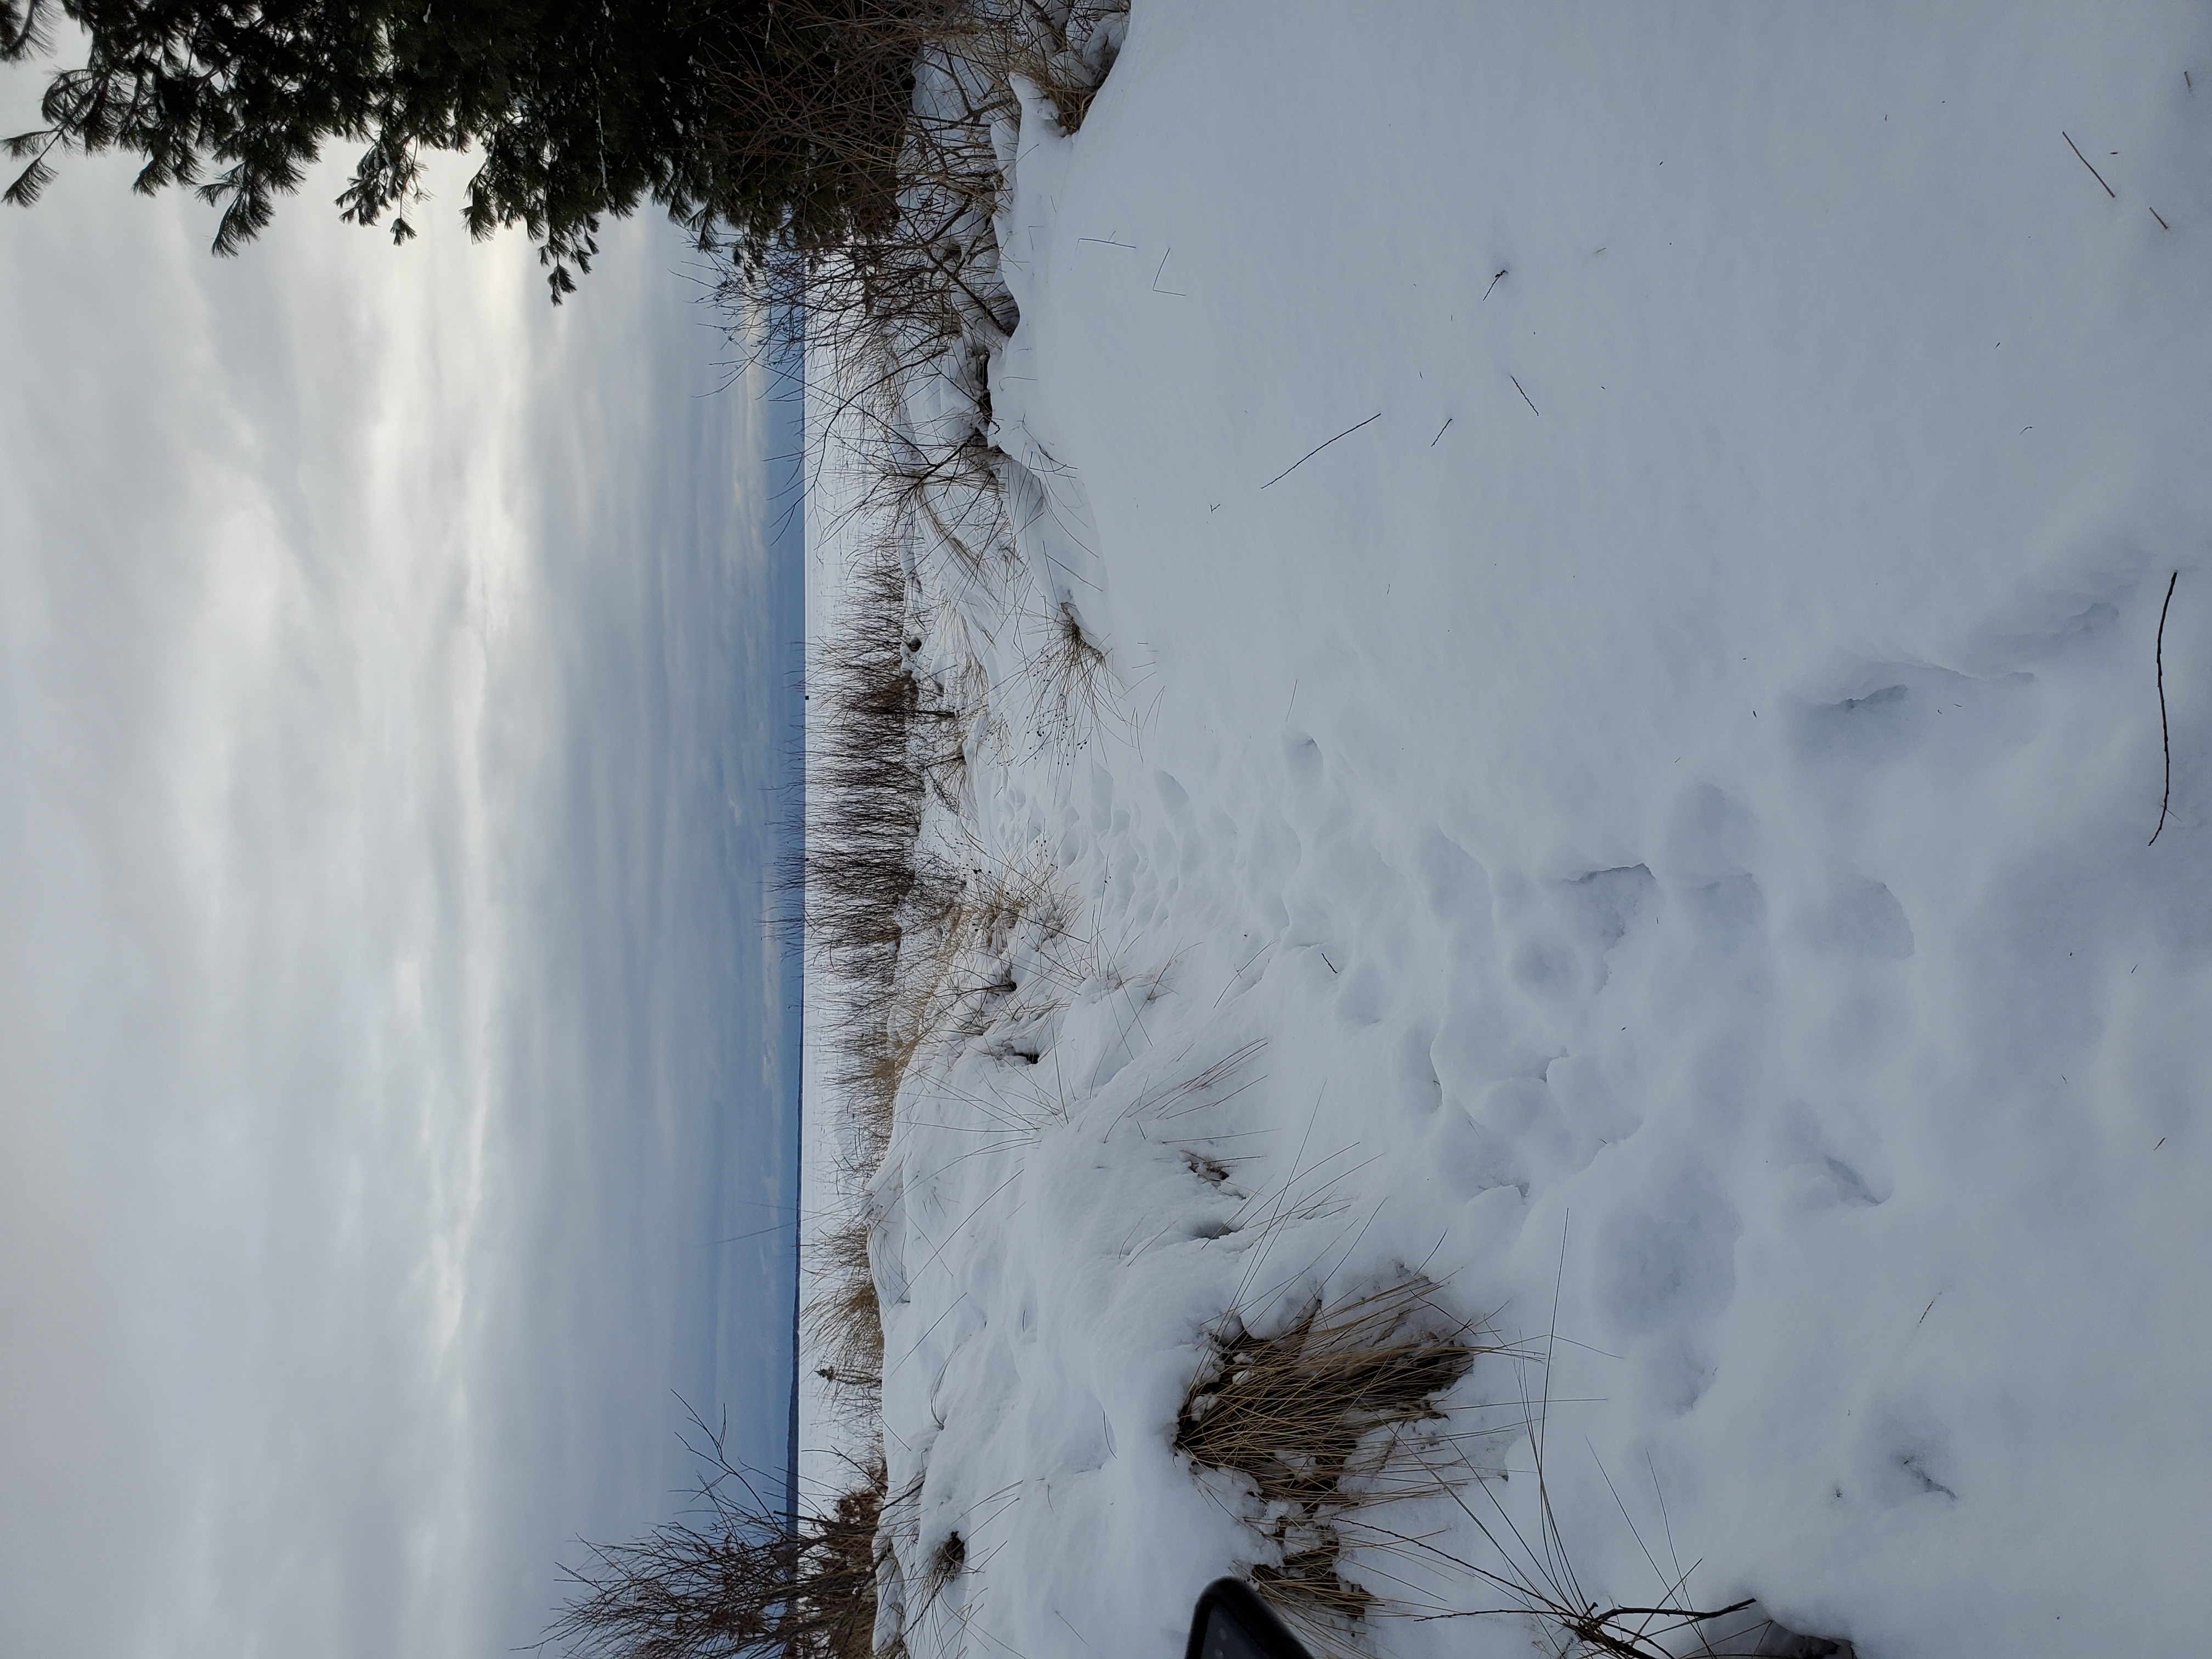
[(1649, 829)]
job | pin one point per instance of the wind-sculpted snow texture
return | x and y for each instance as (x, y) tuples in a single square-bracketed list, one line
[(1648, 831)]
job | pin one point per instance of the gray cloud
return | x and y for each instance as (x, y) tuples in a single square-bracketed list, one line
[(385, 1020)]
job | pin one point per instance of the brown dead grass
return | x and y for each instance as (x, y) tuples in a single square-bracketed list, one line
[(844, 1322), (1316, 1417)]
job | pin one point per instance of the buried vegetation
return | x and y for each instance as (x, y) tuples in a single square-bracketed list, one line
[(1316, 1418)]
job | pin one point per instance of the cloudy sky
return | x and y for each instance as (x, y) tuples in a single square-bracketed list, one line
[(394, 684)]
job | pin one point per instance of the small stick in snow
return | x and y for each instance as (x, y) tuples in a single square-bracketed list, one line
[(1525, 398), (1318, 449), (1156, 289), (2094, 173), (2165, 735), (2161, 217), (1494, 282), (1441, 430)]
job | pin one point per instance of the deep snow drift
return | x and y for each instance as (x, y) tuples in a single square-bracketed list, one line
[(1647, 829)]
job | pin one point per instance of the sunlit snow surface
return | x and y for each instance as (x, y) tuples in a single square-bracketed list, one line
[(1657, 815)]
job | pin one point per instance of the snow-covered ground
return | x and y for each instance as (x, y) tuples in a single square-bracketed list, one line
[(1648, 827)]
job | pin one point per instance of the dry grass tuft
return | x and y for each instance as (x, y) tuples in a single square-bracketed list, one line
[(874, 736), (864, 891), (1316, 1418), (1308, 1583), (844, 1322), (1067, 685), (949, 971)]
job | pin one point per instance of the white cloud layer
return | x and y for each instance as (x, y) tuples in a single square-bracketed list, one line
[(386, 1030)]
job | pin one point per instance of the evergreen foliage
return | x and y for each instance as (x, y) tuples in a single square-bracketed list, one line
[(775, 124)]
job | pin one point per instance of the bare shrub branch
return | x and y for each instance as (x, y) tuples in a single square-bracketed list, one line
[(731, 1580)]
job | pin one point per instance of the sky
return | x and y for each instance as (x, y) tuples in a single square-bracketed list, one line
[(396, 678)]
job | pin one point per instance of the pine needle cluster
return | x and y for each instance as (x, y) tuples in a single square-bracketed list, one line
[(765, 125)]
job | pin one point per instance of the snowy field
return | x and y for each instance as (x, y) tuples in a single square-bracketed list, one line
[(1647, 831)]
